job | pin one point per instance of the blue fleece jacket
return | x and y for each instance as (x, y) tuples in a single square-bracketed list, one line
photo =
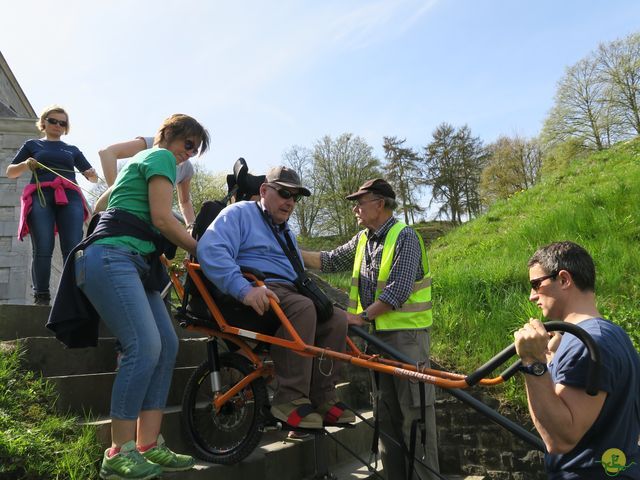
[(240, 236)]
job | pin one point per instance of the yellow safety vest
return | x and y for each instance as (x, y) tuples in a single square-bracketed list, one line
[(416, 311)]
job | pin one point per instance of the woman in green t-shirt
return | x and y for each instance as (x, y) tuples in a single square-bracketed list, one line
[(113, 273)]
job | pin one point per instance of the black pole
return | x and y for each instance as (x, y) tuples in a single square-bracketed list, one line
[(464, 397)]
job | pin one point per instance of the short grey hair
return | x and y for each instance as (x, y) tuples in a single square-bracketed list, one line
[(390, 203)]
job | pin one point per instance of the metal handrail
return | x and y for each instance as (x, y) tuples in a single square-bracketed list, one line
[(461, 395)]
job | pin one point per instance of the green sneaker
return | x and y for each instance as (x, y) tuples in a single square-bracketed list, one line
[(128, 464), (168, 460)]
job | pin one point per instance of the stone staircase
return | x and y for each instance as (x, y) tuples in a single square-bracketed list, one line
[(84, 377)]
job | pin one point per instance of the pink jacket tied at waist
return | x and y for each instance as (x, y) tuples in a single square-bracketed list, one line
[(59, 185)]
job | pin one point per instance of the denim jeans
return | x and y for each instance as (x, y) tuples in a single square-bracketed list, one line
[(41, 222), (112, 279)]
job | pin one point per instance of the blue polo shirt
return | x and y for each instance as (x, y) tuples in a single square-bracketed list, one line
[(57, 155), (618, 425)]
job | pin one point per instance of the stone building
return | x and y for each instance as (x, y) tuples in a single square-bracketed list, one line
[(17, 124)]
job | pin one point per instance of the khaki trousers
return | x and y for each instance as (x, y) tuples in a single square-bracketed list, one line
[(399, 404), (301, 376)]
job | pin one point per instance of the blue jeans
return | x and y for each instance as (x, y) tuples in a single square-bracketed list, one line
[(111, 278), (41, 222)]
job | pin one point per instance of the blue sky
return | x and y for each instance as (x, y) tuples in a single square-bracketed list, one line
[(263, 76)]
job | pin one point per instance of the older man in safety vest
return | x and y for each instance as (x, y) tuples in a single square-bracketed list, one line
[(391, 292)]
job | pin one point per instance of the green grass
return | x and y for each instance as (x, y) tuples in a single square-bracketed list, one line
[(480, 296), (480, 274), (35, 441)]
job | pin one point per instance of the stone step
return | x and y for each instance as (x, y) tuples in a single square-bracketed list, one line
[(354, 469), (90, 394), (22, 321), (51, 358), (276, 457)]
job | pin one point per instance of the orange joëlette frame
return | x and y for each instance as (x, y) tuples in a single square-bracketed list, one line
[(294, 342)]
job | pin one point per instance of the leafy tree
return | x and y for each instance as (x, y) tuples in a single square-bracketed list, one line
[(472, 158), (204, 186), (559, 157), (402, 170), (580, 109), (513, 164), (340, 167), (453, 164), (619, 65)]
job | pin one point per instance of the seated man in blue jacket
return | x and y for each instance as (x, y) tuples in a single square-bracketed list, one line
[(243, 234)]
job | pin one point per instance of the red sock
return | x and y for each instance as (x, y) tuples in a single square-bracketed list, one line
[(113, 451), (147, 447)]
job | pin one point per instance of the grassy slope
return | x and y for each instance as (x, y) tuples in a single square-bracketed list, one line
[(35, 441), (480, 275)]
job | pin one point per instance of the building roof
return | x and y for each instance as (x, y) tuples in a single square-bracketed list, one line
[(13, 101)]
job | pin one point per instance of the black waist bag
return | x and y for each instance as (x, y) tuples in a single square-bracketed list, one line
[(304, 285), (323, 304)]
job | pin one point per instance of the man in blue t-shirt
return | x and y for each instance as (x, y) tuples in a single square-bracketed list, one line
[(587, 437)]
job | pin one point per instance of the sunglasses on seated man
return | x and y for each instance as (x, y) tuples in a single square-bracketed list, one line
[(287, 194)]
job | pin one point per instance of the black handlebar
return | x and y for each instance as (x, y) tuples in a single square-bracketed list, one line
[(593, 372)]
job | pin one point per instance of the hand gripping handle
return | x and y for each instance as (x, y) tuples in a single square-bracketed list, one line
[(593, 372)]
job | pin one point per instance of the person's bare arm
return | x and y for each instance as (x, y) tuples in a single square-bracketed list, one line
[(17, 169), (561, 414), (374, 310), (184, 201), (110, 155), (311, 259), (103, 201), (91, 175), (160, 199)]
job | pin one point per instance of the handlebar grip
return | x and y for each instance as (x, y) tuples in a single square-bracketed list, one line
[(593, 372)]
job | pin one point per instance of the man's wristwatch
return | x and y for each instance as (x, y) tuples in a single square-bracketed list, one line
[(365, 316), (536, 368)]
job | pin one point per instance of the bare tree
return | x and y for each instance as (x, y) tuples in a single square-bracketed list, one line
[(402, 170), (308, 210)]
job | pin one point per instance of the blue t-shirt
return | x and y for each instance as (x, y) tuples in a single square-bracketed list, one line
[(618, 425), (57, 155)]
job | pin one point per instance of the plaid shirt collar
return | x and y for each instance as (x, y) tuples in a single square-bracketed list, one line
[(380, 233)]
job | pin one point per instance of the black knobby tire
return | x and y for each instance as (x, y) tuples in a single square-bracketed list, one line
[(233, 433)]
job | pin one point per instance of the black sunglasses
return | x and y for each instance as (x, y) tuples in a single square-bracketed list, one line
[(189, 145), (536, 282), (55, 121), (287, 194)]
